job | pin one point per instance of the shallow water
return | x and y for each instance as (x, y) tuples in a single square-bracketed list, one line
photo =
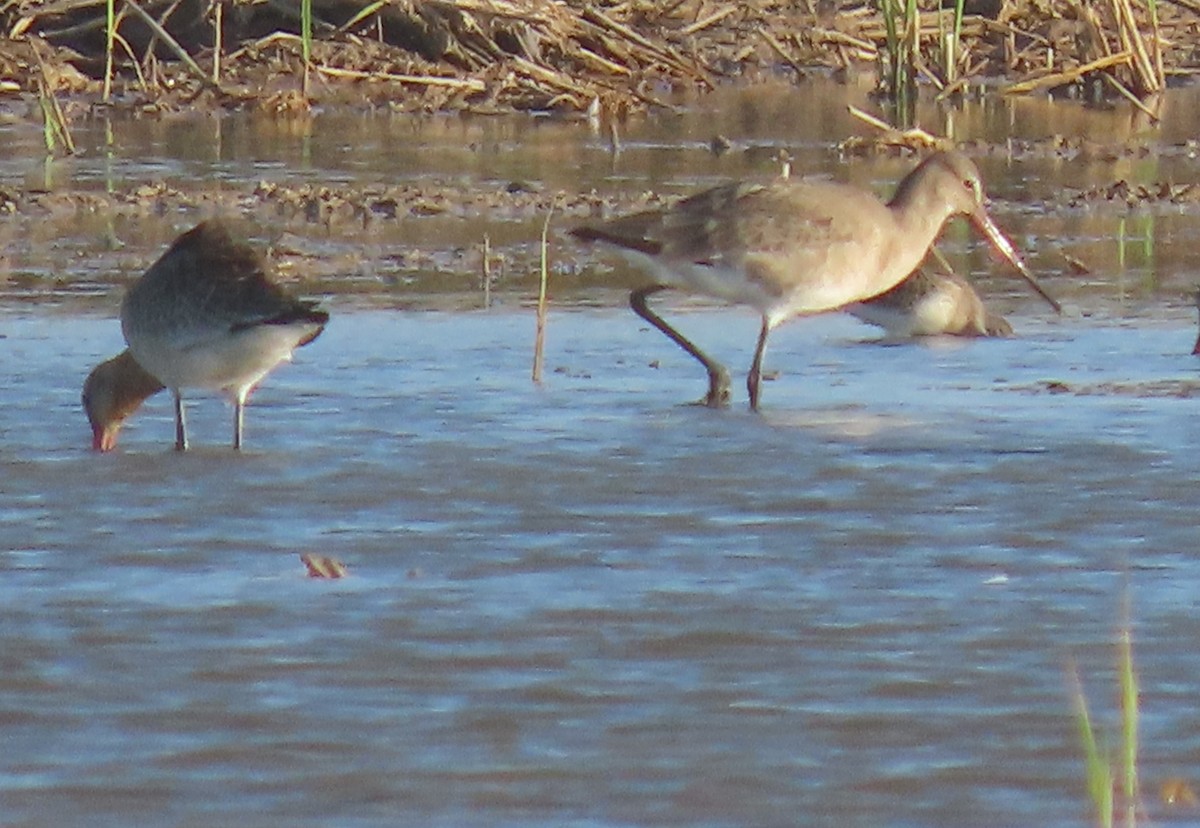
[(588, 603), (72, 252)]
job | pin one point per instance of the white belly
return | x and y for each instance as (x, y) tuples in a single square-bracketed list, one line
[(230, 361)]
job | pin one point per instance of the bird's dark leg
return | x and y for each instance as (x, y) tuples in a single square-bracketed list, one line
[(754, 378), (718, 376), (180, 425)]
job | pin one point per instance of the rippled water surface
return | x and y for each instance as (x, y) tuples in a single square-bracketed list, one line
[(587, 603)]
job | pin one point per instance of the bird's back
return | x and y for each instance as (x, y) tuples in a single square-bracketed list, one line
[(208, 314), (929, 304), (805, 244)]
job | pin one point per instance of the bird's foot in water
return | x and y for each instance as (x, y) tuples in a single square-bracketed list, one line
[(718, 391)]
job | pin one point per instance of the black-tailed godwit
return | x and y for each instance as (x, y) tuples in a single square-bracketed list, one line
[(930, 303), (114, 390), (796, 247), (208, 315)]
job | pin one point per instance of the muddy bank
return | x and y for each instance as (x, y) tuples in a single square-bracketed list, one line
[(424, 242), (596, 64)]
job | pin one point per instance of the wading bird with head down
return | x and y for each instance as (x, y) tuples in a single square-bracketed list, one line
[(206, 315)]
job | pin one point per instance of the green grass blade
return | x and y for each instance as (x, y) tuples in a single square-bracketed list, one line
[(47, 124), (110, 31), (891, 67), (306, 40), (1129, 727), (306, 29), (955, 42), (1098, 768)]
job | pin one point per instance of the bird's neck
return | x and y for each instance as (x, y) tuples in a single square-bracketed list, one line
[(919, 215)]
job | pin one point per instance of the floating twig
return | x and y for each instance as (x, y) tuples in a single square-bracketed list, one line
[(472, 84), (1060, 78), (913, 138)]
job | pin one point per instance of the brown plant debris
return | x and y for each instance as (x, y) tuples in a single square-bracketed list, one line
[(320, 566), (602, 58), (1137, 195)]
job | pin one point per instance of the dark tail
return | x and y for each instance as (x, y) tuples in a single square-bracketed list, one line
[(301, 313), (588, 233)]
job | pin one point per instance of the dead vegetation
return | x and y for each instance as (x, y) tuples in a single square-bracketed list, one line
[(569, 56)]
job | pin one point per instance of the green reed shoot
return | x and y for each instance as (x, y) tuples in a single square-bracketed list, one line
[(306, 40), (901, 24), (1143, 230), (1096, 763), (952, 44), (55, 131), (959, 5), (218, 24), (49, 136), (110, 155), (1152, 5), (1101, 769), (890, 11), (1128, 248), (1129, 726), (110, 33)]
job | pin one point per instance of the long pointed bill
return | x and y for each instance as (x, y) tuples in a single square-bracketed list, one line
[(105, 439), (1005, 248)]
